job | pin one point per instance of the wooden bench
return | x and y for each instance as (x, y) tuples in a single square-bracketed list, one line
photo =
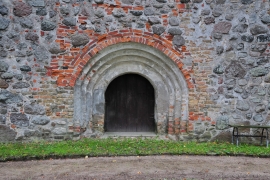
[(236, 133)]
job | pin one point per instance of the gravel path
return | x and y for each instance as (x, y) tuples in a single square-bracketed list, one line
[(135, 167)]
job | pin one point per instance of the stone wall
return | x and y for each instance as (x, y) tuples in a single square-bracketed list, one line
[(221, 48)]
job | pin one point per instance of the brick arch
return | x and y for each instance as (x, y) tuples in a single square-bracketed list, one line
[(74, 67)]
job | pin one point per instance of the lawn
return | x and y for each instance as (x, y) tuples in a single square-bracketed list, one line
[(122, 147)]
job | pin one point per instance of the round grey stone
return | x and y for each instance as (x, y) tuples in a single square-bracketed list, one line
[(209, 20), (29, 133), (55, 49), (99, 13), (265, 18), (229, 17), (26, 23), (219, 49), (249, 115), (8, 97), (242, 105), (25, 68), (20, 54), (37, 3), (19, 119), (41, 53), (79, 40), (154, 20), (222, 122), (220, 1), (22, 46), (247, 38), (158, 29), (258, 71), (2, 119), (260, 108), (41, 12), (76, 10), (18, 76), (263, 38), (241, 28), (246, 1), (3, 66), (34, 109), (3, 10), (31, 36), (175, 31), (69, 21), (184, 1), (158, 5), (7, 134), (245, 94), (205, 12), (242, 82), (238, 90), (20, 85), (52, 13), (3, 53), (196, 20), (218, 69), (258, 118), (178, 40), (267, 78), (140, 24), (40, 120), (59, 131), (136, 13), (149, 11), (7, 75), (242, 54), (64, 10), (119, 13), (29, 52), (174, 21), (4, 23), (222, 27), (240, 46), (258, 29), (48, 25), (217, 12), (99, 1)]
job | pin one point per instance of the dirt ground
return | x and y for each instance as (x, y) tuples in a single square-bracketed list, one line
[(146, 167)]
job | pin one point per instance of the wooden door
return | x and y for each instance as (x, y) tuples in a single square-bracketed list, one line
[(129, 105)]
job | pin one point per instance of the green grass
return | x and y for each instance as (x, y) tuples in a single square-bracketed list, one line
[(122, 147)]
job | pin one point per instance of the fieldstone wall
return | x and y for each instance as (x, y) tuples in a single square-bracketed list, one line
[(221, 48)]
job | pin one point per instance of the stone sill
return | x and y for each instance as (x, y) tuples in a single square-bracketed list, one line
[(129, 134)]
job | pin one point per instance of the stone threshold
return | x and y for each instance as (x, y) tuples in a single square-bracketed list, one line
[(129, 134)]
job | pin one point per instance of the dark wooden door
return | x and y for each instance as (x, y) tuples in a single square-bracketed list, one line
[(129, 105)]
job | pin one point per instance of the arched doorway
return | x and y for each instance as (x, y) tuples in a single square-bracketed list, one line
[(170, 87), (129, 105)]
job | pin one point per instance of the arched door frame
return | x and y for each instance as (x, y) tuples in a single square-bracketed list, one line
[(169, 84)]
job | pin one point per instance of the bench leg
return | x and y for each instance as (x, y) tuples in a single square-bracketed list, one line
[(232, 136), (262, 136), (267, 140), (237, 141)]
